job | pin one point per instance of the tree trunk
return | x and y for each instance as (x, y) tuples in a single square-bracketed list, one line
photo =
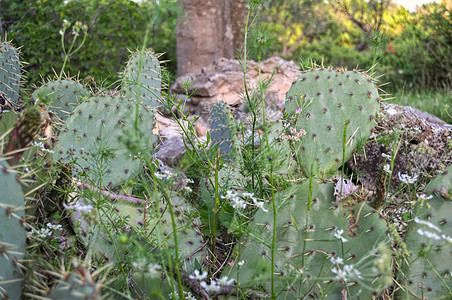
[(206, 32)]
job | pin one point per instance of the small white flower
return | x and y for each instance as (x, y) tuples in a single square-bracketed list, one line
[(241, 263), (336, 260), (340, 274), (239, 204), (188, 180), (387, 169), (212, 287), (338, 235), (198, 276), (230, 195), (407, 179), (386, 155), (225, 281), (154, 270), (188, 189), (424, 197), (260, 204)]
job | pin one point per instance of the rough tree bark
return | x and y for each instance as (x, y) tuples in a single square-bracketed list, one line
[(208, 30)]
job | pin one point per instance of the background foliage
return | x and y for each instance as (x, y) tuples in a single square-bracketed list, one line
[(413, 49)]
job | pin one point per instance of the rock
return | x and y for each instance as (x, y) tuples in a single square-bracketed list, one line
[(426, 146), (223, 81), (171, 151)]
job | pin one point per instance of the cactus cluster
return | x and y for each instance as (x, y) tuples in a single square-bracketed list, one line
[(427, 272), (12, 233), (327, 246), (10, 75), (332, 106)]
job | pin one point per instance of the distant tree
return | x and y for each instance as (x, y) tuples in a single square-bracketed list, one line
[(207, 30), (367, 15)]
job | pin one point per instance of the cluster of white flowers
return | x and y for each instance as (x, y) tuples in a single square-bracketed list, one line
[(294, 135), (215, 285), (164, 175), (437, 236), (41, 145), (346, 272), (187, 188), (407, 179), (239, 201), (187, 295), (79, 207), (399, 221), (46, 232), (338, 234)]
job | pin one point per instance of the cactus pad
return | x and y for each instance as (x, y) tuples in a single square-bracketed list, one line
[(12, 233), (222, 129), (61, 96), (428, 270), (91, 137), (312, 257), (10, 75), (323, 102), (142, 74)]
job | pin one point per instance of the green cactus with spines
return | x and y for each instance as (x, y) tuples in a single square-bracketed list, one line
[(61, 96), (427, 271), (76, 285), (326, 104), (91, 138), (12, 233), (222, 129), (10, 75), (142, 73), (307, 240)]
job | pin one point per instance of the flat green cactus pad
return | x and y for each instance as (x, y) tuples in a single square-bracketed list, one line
[(324, 102), (91, 138), (9, 72), (12, 233)]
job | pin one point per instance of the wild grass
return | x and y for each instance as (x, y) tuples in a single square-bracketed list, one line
[(436, 102)]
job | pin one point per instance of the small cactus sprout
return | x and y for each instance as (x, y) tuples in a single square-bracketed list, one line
[(427, 270), (12, 233), (222, 129), (345, 101), (142, 74)]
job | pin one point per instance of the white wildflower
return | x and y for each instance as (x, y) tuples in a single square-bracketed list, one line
[(230, 195), (225, 281), (387, 169), (407, 179), (386, 155), (188, 189), (212, 287), (336, 260), (197, 276), (241, 263), (260, 204), (424, 197), (154, 270), (338, 235), (239, 204)]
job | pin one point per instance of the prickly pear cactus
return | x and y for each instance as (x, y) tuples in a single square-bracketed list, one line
[(428, 270), (91, 138), (61, 96), (9, 72), (142, 74), (12, 233), (78, 285), (324, 103), (323, 252), (222, 129)]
